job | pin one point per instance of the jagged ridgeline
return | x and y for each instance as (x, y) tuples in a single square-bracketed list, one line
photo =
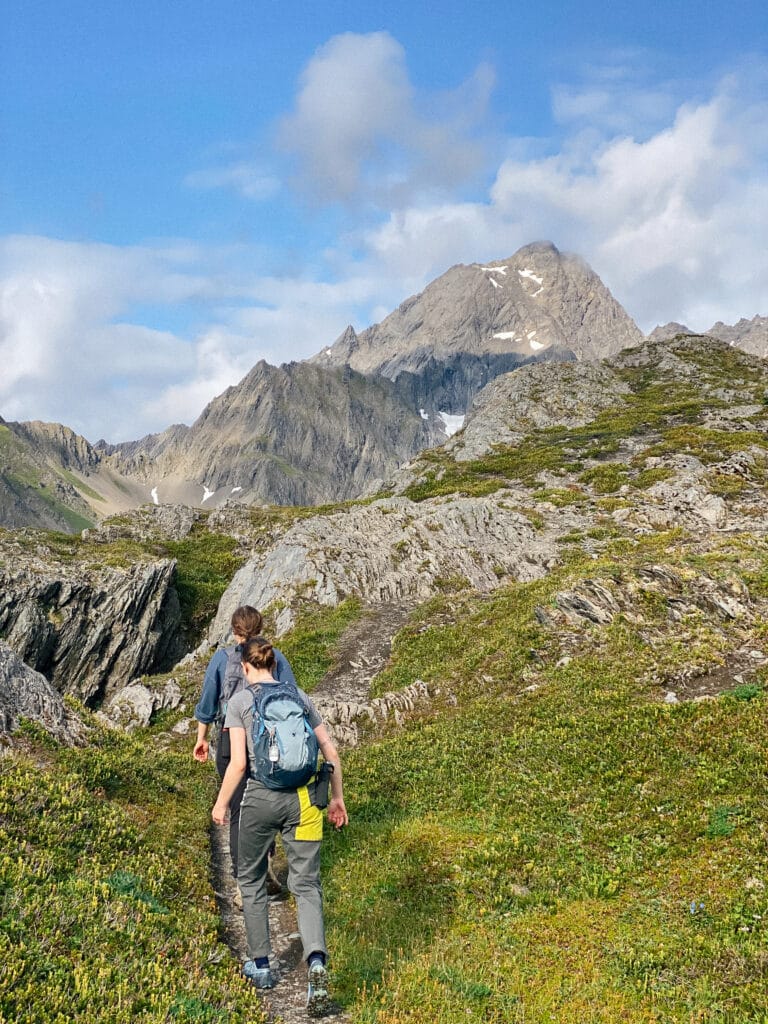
[(545, 656), (337, 426)]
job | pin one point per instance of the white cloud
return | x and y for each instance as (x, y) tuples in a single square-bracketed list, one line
[(674, 224), (248, 180), (73, 354), (360, 131), (673, 213)]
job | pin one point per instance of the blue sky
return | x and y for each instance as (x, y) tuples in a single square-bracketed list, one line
[(187, 187)]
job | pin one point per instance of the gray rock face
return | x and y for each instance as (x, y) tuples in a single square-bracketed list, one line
[(391, 550), (25, 693), (150, 522), (59, 443), (748, 335), (536, 396), (36, 488), (537, 299), (291, 435), (89, 629), (133, 706)]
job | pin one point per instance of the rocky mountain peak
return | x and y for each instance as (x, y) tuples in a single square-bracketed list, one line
[(536, 300)]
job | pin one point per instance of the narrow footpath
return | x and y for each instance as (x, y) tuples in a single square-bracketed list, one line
[(361, 654)]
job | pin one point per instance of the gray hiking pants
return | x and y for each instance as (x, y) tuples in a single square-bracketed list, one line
[(263, 814)]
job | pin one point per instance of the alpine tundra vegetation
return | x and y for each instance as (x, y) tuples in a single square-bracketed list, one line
[(556, 778)]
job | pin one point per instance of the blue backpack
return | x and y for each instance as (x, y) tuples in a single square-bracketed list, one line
[(284, 743)]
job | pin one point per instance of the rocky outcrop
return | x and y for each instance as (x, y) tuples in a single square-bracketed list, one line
[(148, 523), (537, 299), (26, 694), (133, 706), (391, 550), (88, 628), (663, 332), (346, 720), (535, 397), (291, 435)]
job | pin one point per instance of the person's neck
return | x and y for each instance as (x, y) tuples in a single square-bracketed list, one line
[(260, 675)]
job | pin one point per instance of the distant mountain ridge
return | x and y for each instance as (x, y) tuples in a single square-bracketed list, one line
[(295, 435), (337, 426), (749, 335)]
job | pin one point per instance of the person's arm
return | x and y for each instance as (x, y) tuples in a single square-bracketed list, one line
[(283, 670), (232, 776), (208, 705), (337, 811)]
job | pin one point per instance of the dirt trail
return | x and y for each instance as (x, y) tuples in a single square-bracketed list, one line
[(361, 654)]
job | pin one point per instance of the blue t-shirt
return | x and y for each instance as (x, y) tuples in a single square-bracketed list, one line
[(207, 709)]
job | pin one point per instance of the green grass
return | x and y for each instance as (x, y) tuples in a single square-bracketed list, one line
[(546, 841), (310, 645), (205, 565), (665, 414), (535, 857), (106, 914)]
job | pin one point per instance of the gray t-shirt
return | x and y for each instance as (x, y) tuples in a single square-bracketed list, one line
[(240, 714)]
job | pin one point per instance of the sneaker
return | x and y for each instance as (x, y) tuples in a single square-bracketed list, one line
[(259, 977), (318, 1002)]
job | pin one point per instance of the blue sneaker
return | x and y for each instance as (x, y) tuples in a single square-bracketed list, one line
[(259, 977), (318, 1003)]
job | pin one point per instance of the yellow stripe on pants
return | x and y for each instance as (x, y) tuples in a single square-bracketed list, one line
[(310, 825)]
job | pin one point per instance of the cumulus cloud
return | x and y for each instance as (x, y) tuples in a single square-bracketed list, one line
[(74, 352), (674, 223), (668, 200), (360, 131)]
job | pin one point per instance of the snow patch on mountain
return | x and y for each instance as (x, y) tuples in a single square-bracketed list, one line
[(452, 423)]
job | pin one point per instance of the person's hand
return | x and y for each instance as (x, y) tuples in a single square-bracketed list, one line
[(337, 812), (200, 753), (219, 813)]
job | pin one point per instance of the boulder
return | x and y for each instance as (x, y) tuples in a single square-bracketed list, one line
[(134, 705), (89, 628), (26, 694)]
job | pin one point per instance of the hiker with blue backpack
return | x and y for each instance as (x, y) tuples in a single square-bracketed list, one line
[(224, 677), (275, 735)]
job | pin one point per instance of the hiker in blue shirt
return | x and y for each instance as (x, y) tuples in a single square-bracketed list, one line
[(223, 678)]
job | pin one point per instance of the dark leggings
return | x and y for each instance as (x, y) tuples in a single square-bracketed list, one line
[(223, 754)]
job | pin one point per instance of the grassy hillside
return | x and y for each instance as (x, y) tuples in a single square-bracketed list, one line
[(555, 842), (33, 492), (547, 839), (107, 912)]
